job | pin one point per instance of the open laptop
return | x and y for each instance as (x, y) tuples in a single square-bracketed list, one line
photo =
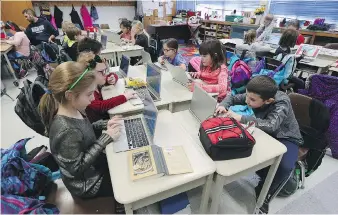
[(273, 40), (179, 75), (146, 58), (124, 67), (113, 37), (139, 130), (154, 77), (202, 104), (104, 41)]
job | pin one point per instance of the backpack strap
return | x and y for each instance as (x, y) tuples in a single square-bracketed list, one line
[(243, 54)]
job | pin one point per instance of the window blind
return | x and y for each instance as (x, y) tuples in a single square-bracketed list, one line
[(306, 9)]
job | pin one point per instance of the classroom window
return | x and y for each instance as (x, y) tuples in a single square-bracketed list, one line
[(306, 9)]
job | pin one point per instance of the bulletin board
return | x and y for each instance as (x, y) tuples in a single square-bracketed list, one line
[(156, 11)]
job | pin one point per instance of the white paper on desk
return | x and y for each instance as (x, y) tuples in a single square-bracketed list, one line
[(149, 12)]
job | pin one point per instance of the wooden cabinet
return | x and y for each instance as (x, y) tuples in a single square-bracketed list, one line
[(12, 10)]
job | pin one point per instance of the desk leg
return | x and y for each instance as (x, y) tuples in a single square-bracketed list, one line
[(217, 194), (206, 195), (171, 107), (128, 208), (268, 181), (9, 65), (115, 59)]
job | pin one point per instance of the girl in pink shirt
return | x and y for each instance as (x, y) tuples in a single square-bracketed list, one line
[(211, 72), (19, 40), (125, 27)]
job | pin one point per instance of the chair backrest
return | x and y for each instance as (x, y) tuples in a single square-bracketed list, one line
[(272, 64), (104, 26)]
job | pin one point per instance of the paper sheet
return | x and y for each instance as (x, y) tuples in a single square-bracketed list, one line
[(168, 8)]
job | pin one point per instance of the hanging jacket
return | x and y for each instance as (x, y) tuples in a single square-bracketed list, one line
[(58, 15), (87, 20), (93, 13), (76, 18), (52, 21)]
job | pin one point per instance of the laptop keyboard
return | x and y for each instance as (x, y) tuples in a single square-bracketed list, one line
[(136, 134), (141, 92)]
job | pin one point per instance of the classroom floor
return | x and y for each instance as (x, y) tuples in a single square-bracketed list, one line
[(319, 195)]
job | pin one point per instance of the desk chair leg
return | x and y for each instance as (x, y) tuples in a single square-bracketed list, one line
[(9, 66), (128, 208), (268, 181), (218, 188), (206, 195)]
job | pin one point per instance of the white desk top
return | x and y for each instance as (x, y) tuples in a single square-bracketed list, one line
[(320, 63), (119, 88), (167, 134), (111, 47), (265, 148)]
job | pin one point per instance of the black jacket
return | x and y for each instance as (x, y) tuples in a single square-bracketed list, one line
[(58, 16), (40, 31)]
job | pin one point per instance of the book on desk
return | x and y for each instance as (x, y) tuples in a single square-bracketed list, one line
[(154, 161)]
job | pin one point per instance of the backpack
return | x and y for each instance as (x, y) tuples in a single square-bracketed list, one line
[(50, 52), (240, 74), (28, 101)]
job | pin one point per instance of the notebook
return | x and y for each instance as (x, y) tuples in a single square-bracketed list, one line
[(154, 161), (310, 52)]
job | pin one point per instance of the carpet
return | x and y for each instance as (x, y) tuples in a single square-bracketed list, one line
[(321, 199), (188, 52)]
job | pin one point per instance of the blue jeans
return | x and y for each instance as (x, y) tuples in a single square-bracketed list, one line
[(286, 165), (12, 55)]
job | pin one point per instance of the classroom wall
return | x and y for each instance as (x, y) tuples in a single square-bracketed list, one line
[(107, 14)]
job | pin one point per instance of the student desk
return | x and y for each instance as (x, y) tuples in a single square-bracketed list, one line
[(5, 48), (115, 52), (267, 151), (316, 66), (127, 108), (141, 193)]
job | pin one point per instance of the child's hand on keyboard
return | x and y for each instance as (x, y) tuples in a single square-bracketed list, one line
[(130, 94), (114, 131), (115, 120)]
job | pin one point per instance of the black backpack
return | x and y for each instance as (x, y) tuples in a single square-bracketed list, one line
[(27, 104)]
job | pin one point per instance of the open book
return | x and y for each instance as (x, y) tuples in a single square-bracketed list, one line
[(155, 161)]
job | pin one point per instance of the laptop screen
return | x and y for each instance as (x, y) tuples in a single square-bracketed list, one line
[(202, 104), (273, 39), (154, 78), (150, 113), (124, 66), (104, 41)]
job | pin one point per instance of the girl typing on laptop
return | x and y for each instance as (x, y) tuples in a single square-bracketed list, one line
[(73, 141), (170, 50), (210, 69), (98, 107)]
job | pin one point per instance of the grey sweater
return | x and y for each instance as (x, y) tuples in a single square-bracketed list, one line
[(276, 119), (77, 150)]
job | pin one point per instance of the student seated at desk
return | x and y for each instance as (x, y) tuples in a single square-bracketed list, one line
[(75, 143), (211, 69), (170, 50), (98, 107), (70, 47), (19, 40), (274, 115), (265, 30), (139, 37), (125, 27), (294, 24), (89, 45)]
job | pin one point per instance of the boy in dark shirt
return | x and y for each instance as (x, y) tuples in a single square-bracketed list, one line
[(39, 30), (273, 115), (70, 47)]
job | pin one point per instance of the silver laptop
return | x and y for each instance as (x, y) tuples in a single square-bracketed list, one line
[(113, 37), (202, 104), (154, 77), (146, 58), (273, 40), (139, 130), (179, 75), (124, 67)]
